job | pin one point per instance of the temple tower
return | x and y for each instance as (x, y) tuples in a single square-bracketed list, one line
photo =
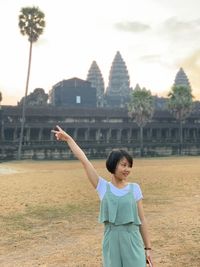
[(182, 79), (96, 79), (137, 87), (118, 90)]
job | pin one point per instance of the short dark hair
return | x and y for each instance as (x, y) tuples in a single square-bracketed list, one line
[(115, 156)]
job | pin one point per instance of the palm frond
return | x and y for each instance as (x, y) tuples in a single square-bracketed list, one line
[(31, 23), (180, 102), (141, 107)]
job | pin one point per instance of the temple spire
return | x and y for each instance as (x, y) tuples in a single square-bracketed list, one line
[(181, 79), (96, 79), (118, 90)]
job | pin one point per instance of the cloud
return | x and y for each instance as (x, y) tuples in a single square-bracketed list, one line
[(151, 58), (180, 29), (131, 26), (191, 66)]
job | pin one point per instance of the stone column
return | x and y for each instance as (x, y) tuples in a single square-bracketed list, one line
[(150, 134), (40, 134), (86, 134), (2, 130), (98, 135), (75, 133), (108, 135), (15, 134), (158, 134), (119, 135), (170, 133), (28, 130), (52, 138)]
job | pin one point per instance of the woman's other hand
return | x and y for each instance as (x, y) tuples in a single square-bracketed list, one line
[(149, 258)]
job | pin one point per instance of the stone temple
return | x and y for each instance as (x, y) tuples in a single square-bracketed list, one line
[(95, 78), (118, 91), (181, 79), (91, 92), (96, 118)]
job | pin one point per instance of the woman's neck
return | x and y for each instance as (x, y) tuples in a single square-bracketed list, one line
[(118, 182)]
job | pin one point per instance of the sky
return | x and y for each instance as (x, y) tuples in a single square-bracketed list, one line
[(155, 38)]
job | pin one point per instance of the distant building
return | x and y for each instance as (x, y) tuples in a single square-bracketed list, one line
[(95, 78), (118, 90), (181, 79), (73, 93), (97, 120), (92, 93), (97, 131)]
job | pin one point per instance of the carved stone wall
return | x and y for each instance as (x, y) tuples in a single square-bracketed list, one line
[(96, 130)]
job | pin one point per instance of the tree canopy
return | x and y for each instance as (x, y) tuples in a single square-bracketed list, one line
[(141, 109), (141, 106), (31, 23), (180, 101)]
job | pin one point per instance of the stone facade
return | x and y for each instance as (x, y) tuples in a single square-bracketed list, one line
[(97, 131), (73, 92)]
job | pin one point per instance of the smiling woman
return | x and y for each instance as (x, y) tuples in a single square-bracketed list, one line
[(126, 241)]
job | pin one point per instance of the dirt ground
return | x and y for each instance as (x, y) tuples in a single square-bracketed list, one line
[(49, 212)]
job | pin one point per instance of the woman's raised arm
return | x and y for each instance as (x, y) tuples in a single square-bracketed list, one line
[(92, 175)]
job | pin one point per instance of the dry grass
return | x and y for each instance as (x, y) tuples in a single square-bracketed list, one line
[(49, 211)]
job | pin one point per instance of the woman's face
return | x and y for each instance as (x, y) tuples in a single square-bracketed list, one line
[(123, 169)]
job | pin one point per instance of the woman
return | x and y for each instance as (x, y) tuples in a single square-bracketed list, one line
[(126, 241)]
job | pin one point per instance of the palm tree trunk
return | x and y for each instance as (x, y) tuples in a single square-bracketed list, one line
[(141, 142), (180, 137), (24, 105)]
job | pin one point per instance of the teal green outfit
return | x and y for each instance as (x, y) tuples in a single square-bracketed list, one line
[(122, 243)]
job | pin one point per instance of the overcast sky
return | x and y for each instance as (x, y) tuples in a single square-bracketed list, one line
[(154, 37)]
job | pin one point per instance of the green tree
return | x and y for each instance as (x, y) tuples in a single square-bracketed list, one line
[(141, 110), (180, 103), (1, 98), (31, 24)]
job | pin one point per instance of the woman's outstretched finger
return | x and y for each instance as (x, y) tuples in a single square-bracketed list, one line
[(56, 130), (58, 127)]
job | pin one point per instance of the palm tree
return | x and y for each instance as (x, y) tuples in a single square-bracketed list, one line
[(180, 104), (1, 98), (31, 23), (141, 109), (1, 117)]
